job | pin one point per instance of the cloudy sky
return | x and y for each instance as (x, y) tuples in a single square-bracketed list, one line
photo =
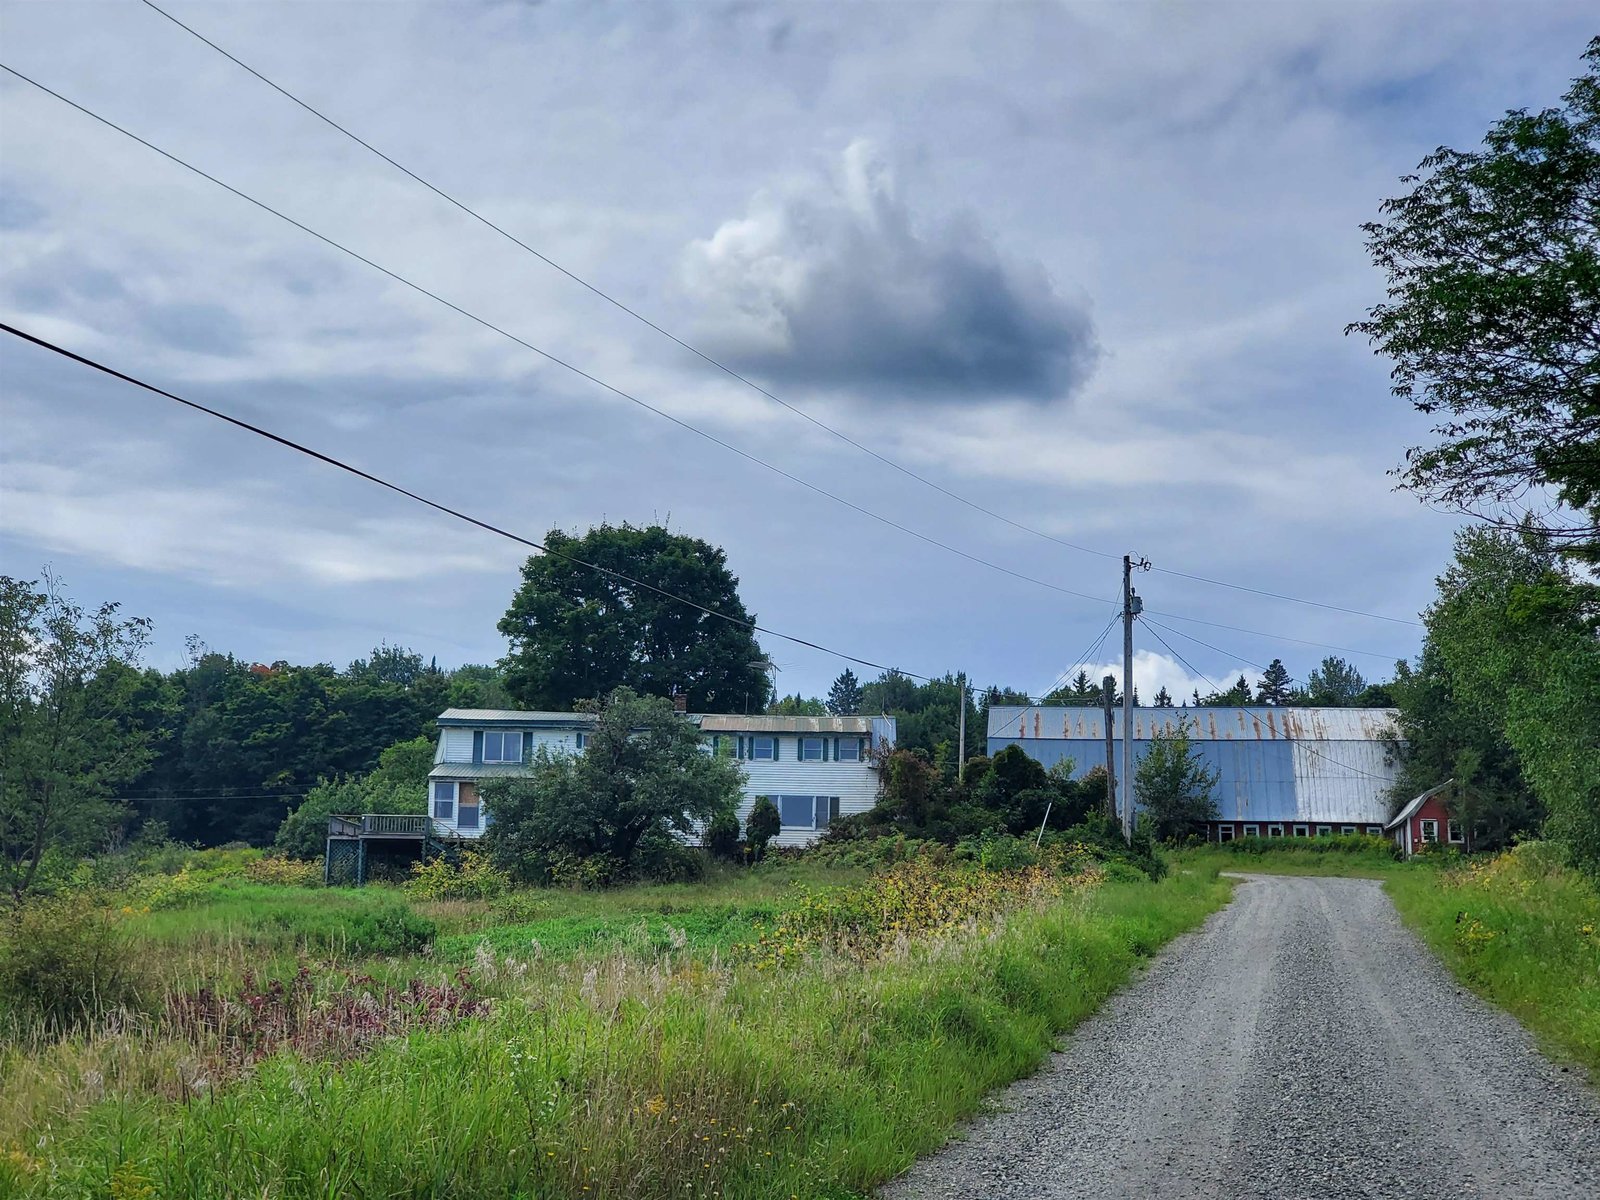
[(1086, 266)]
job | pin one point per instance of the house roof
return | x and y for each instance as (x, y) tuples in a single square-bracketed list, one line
[(1410, 810), (727, 723), (512, 716), (451, 770)]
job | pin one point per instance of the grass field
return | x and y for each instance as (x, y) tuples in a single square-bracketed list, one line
[(782, 1033)]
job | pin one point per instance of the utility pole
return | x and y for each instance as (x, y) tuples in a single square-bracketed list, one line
[(1131, 607), (961, 735), (1109, 689)]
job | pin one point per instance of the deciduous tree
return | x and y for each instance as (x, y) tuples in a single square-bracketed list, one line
[(1172, 784)]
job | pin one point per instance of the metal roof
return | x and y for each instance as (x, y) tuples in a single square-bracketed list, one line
[(724, 723), (512, 716), (478, 771), (1262, 723), (1416, 802)]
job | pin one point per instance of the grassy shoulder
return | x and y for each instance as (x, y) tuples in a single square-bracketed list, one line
[(1352, 856), (1522, 931), (867, 1016)]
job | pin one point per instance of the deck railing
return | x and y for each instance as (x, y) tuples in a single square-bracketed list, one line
[(400, 825)]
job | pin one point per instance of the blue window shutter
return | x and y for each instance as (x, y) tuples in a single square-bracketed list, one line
[(477, 746), (833, 808)]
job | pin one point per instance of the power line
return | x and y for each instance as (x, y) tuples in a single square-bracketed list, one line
[(723, 367), (444, 508), (1300, 742), (1276, 637), (550, 357), (1087, 657)]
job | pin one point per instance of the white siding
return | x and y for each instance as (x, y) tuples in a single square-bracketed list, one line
[(456, 746), (855, 783), (554, 740)]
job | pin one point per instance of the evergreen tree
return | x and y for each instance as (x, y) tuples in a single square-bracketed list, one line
[(1275, 683), (844, 697), (1334, 684), (1163, 698)]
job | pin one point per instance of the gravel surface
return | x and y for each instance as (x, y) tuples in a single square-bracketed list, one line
[(1302, 1043)]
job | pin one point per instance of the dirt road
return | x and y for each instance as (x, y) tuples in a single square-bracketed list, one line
[(1302, 1044)]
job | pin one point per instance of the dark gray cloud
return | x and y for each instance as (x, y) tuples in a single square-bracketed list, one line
[(837, 286)]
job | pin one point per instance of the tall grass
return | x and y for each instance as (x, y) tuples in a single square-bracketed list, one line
[(628, 1073), (1521, 930), (1354, 855)]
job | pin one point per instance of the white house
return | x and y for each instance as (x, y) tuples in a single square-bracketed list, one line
[(812, 768)]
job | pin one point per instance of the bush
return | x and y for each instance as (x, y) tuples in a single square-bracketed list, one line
[(722, 837), (662, 858), (284, 872), (761, 826), (67, 961), (998, 852), (389, 929), (471, 877)]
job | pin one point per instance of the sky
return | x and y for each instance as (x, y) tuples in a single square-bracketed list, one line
[(1085, 266)]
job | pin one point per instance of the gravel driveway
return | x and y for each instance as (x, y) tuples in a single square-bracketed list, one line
[(1302, 1043)]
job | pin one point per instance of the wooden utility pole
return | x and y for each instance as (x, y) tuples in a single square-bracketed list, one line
[(1109, 687), (1131, 607), (961, 736)]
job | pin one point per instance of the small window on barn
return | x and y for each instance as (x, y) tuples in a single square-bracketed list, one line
[(583, 740), (1375, 830), (1347, 829), (1324, 830), (1252, 831), (444, 799), (1224, 833), (1274, 830), (1302, 831), (1453, 829), (1430, 830), (502, 747)]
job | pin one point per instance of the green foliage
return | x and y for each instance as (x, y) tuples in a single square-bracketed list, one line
[(467, 876), (642, 774), (398, 784), (66, 743), (577, 634), (67, 962), (761, 826), (1510, 665), (844, 697), (391, 929), (1274, 687), (1173, 786), (722, 837), (1493, 265), (1334, 684), (1522, 931), (1236, 696), (798, 706)]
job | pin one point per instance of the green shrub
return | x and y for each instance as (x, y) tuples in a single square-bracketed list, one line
[(284, 872), (662, 858), (389, 929), (471, 876), (722, 837), (761, 826), (67, 961)]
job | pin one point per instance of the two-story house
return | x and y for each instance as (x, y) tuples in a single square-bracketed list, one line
[(813, 769)]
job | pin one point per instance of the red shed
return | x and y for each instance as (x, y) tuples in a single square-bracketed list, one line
[(1427, 819)]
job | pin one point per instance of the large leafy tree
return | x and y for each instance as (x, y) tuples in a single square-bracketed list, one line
[(66, 743), (1173, 786), (643, 772), (1334, 683), (579, 634), (1512, 659), (399, 784), (1493, 317)]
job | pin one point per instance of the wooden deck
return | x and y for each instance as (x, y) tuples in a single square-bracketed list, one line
[(346, 858)]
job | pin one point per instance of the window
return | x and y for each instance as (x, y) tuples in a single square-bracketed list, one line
[(1302, 831), (807, 812), (501, 747), (467, 814), (812, 750), (847, 749), (1347, 829), (1375, 830), (1224, 833), (762, 749), (1324, 830), (1453, 831), (444, 800), (798, 812), (583, 740), (1430, 831), (1252, 831), (1274, 830)]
